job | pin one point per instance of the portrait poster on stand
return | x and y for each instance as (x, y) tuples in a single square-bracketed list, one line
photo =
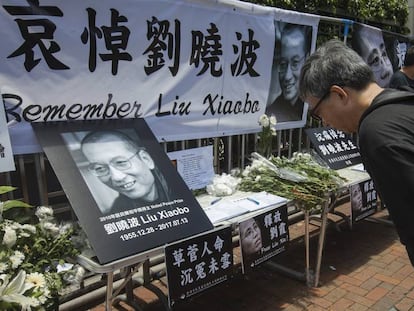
[(124, 189), (336, 148), (363, 200), (198, 263), (263, 236)]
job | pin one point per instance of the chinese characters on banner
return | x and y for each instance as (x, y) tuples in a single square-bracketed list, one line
[(335, 147), (124, 189), (199, 263), (363, 200), (192, 70), (263, 237)]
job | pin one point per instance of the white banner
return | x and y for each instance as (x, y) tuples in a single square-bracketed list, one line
[(192, 70), (6, 155)]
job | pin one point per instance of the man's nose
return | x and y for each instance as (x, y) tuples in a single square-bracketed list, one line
[(288, 73), (116, 174)]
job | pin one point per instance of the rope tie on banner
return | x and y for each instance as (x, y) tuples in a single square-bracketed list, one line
[(347, 23)]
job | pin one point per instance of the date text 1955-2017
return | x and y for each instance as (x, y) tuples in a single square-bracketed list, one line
[(141, 223)]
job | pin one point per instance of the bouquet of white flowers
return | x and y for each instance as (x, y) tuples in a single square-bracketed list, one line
[(34, 256)]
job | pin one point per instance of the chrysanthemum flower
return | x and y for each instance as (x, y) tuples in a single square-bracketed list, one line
[(16, 259), (9, 238), (36, 279)]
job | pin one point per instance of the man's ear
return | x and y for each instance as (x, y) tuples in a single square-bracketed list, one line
[(147, 159), (339, 91)]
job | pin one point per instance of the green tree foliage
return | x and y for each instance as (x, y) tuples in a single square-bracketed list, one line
[(390, 15)]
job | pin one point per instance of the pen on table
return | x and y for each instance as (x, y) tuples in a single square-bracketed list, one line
[(215, 201), (253, 200)]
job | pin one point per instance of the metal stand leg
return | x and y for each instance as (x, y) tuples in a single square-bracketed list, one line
[(129, 297), (109, 289), (308, 274), (153, 288), (321, 242)]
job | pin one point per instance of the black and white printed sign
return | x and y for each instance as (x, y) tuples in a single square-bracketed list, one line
[(125, 191), (363, 200), (263, 237), (335, 147), (199, 263)]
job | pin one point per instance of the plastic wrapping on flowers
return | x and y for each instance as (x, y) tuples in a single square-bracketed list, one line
[(310, 193)]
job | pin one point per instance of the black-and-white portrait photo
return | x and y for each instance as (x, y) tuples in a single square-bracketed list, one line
[(369, 43), (292, 47), (119, 171)]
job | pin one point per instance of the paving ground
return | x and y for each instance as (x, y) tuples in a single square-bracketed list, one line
[(365, 268)]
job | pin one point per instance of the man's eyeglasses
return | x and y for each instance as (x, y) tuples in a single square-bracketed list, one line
[(120, 163), (295, 64), (313, 112)]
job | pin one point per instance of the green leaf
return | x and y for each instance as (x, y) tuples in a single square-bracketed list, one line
[(5, 189), (14, 203)]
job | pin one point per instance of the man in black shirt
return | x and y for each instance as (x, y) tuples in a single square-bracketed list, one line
[(341, 91)]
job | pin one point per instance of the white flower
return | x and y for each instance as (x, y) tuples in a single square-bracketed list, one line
[(30, 228), (3, 267), (13, 291), (273, 130), (44, 212), (10, 236), (264, 120), (258, 177), (44, 297), (14, 225), (223, 185), (16, 259), (49, 226), (65, 228), (36, 279), (273, 120), (246, 171)]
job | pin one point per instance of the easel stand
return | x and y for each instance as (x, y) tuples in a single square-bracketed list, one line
[(128, 267)]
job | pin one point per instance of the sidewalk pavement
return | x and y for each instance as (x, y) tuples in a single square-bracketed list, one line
[(365, 268)]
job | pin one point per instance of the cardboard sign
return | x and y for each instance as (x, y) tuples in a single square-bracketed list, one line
[(263, 237), (363, 200), (199, 263), (335, 147), (122, 186)]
